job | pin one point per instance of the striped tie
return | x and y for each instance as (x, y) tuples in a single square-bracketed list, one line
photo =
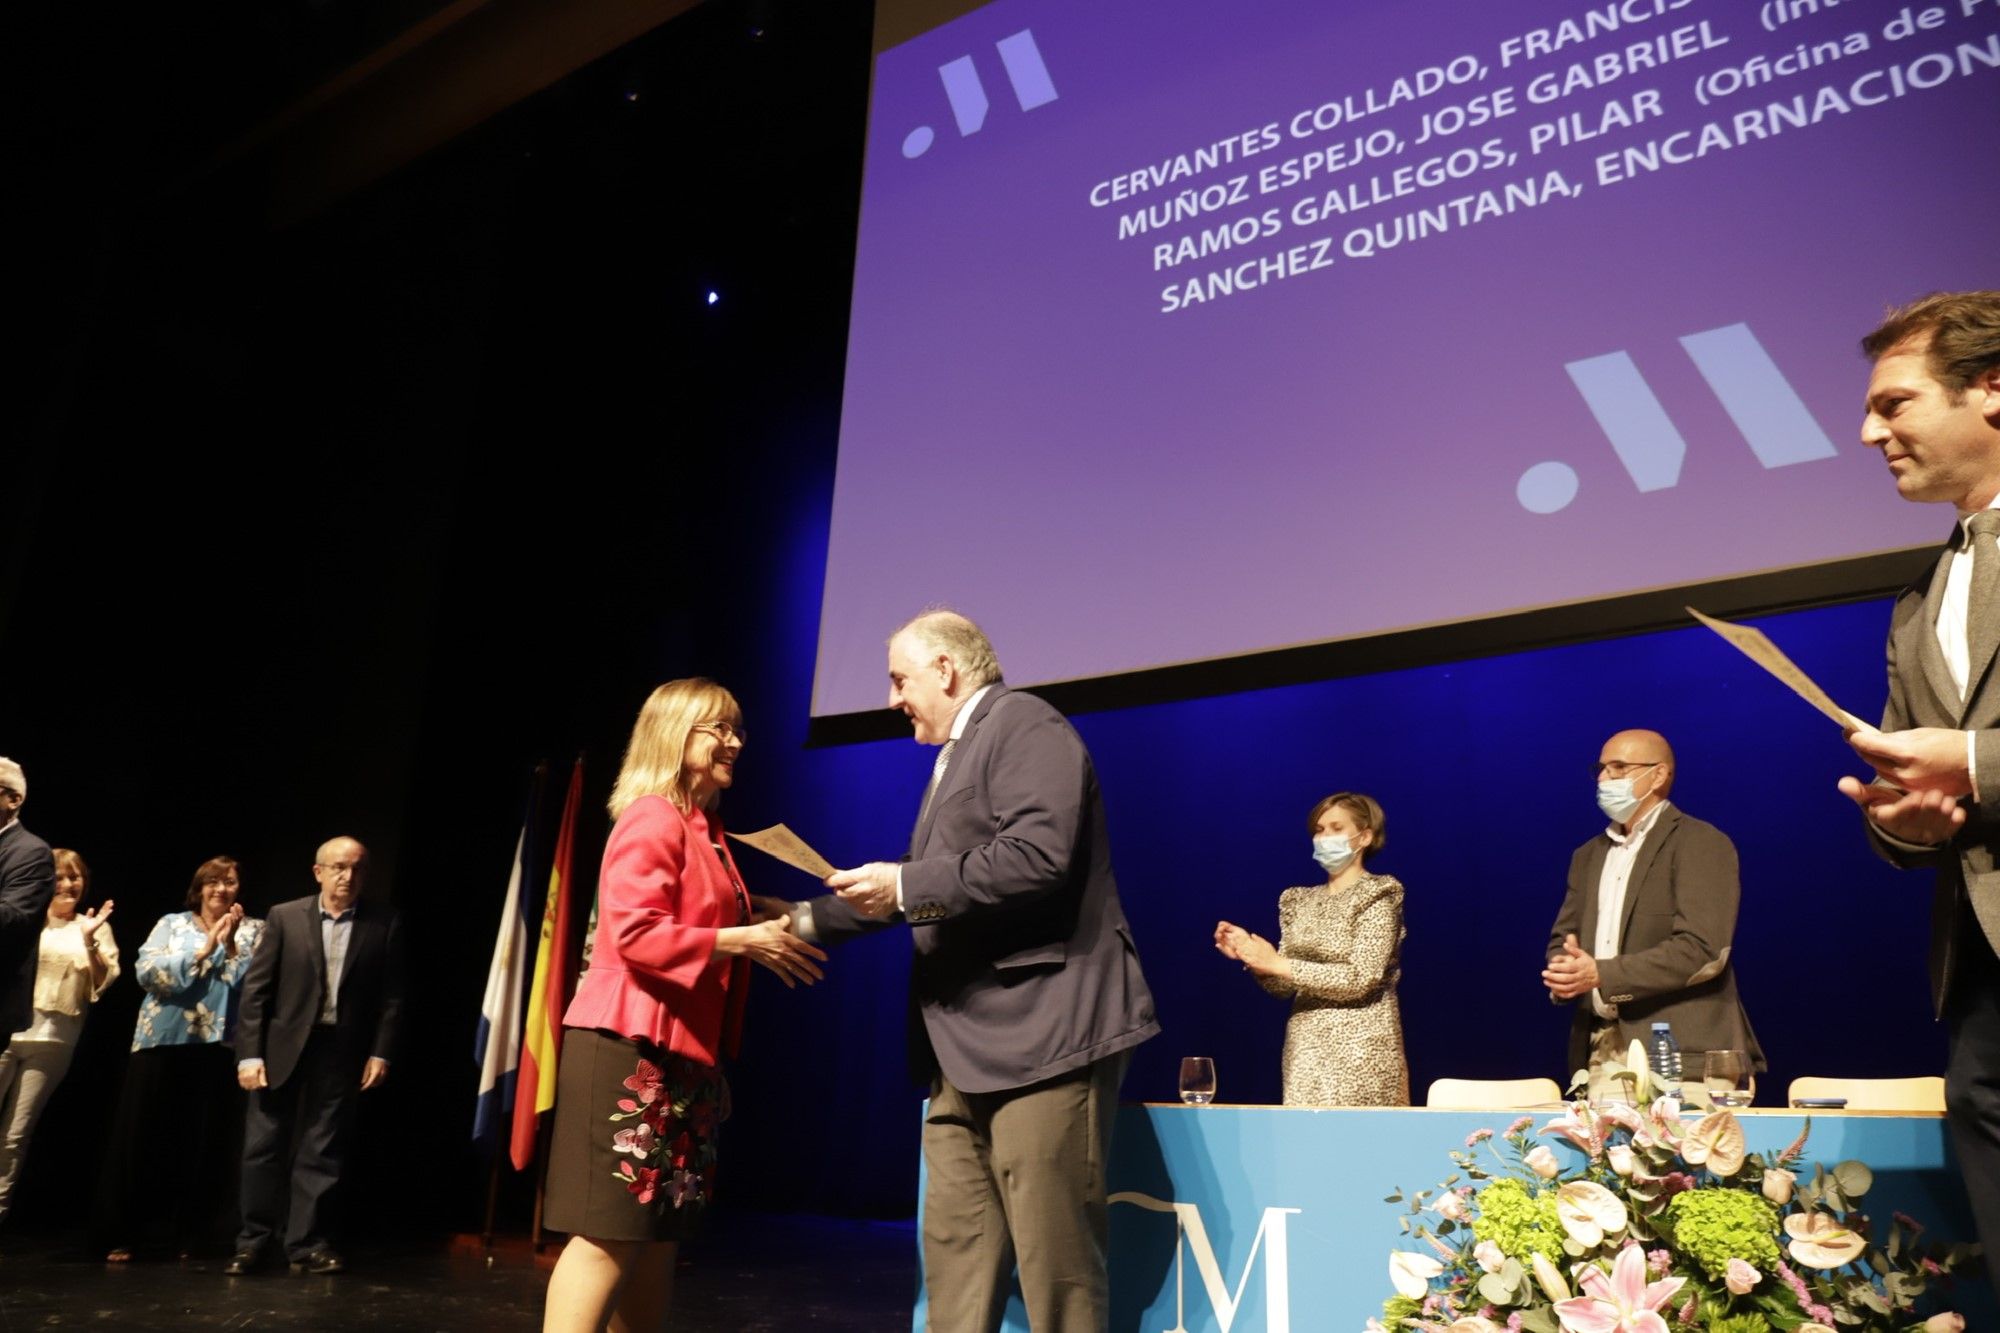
[(944, 758)]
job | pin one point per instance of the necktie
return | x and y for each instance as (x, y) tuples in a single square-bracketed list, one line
[(1982, 608), (944, 758)]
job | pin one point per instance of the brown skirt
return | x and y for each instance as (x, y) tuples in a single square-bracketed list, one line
[(633, 1156)]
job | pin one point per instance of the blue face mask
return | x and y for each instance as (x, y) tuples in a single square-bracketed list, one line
[(1615, 799), (1333, 851)]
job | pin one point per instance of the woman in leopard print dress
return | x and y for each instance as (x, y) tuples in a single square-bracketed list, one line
[(1337, 958)]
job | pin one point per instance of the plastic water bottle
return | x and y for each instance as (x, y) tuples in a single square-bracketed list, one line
[(1665, 1055)]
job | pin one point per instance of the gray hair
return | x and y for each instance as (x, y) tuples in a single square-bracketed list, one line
[(944, 631), (12, 778)]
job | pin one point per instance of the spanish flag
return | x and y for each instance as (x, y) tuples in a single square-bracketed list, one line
[(548, 994)]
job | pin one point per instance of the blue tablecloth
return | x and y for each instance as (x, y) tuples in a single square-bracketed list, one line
[(1239, 1218)]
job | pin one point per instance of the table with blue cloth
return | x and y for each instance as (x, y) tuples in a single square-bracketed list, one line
[(1273, 1219)]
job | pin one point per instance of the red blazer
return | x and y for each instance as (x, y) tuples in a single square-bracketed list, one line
[(653, 973)]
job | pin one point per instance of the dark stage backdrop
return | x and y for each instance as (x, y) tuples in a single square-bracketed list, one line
[(343, 529)]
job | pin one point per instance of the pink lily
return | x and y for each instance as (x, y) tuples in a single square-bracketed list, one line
[(1579, 1126), (1622, 1303)]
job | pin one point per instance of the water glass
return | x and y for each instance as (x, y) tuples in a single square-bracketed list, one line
[(1197, 1080), (1728, 1078)]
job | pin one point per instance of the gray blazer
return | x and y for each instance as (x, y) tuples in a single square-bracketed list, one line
[(1967, 896), (1672, 964), (1025, 966)]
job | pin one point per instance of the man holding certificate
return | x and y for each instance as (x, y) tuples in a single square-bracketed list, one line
[(1933, 409), (1028, 997)]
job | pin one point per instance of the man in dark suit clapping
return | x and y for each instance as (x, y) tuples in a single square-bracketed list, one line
[(27, 879), (320, 1005)]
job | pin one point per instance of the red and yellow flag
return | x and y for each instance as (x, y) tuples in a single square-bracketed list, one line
[(548, 994)]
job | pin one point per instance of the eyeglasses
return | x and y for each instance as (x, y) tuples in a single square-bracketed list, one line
[(338, 872), (723, 731), (1619, 768)]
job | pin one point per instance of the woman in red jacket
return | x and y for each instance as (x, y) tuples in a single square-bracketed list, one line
[(640, 1089)]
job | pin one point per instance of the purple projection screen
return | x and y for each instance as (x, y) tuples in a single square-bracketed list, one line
[(1184, 330)]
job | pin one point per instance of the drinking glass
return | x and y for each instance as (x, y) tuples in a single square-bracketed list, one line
[(1197, 1080), (1728, 1078)]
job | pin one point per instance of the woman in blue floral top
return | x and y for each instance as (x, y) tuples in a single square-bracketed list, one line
[(180, 1083)]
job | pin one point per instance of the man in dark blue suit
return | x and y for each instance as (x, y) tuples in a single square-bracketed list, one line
[(1027, 994), (320, 1006), (27, 879)]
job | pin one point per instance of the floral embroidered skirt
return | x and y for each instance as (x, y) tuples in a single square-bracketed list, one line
[(633, 1156)]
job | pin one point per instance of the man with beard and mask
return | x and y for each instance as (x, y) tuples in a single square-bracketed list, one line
[(1643, 934)]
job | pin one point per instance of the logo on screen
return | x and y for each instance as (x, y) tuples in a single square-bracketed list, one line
[(1755, 393), (1026, 74)]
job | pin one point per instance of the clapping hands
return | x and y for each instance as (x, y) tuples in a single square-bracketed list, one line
[(92, 922), (221, 932), (1245, 947)]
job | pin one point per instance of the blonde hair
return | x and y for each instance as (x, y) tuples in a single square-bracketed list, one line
[(1365, 811), (67, 860), (659, 741)]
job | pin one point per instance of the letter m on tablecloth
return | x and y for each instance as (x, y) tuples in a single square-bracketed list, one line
[(1191, 1234)]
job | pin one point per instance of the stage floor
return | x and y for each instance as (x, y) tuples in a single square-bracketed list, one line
[(756, 1272)]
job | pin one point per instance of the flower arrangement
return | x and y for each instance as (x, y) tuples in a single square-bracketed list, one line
[(1664, 1227)]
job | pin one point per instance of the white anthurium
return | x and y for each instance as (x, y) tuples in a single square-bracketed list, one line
[(1589, 1212), (1817, 1241), (1716, 1141), (1411, 1273)]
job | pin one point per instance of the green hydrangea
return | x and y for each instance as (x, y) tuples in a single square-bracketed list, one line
[(1738, 1323), (1398, 1308), (1521, 1222), (1713, 1226)]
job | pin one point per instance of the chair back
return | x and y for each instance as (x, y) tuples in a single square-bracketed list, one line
[(1492, 1094), (1874, 1094)]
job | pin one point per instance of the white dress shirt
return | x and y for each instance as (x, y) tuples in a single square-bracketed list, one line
[(1611, 885), (1954, 633), (959, 721)]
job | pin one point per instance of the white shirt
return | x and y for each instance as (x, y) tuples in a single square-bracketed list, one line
[(959, 721), (1954, 635), (1611, 885)]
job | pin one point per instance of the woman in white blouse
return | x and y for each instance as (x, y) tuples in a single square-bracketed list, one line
[(79, 958)]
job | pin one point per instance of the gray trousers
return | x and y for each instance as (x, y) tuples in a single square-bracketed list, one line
[(1017, 1178), (29, 1073)]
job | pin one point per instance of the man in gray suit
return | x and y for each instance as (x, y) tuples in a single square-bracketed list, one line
[(1027, 993), (1933, 409), (1644, 933)]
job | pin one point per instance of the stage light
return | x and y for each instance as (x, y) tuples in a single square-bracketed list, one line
[(714, 296)]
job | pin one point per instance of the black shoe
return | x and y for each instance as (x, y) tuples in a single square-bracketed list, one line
[(243, 1263), (320, 1263)]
